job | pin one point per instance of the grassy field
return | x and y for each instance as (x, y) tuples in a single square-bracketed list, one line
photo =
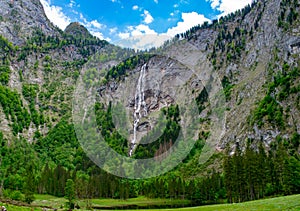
[(142, 202), (286, 203)]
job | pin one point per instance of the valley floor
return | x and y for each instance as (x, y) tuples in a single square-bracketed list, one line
[(284, 203)]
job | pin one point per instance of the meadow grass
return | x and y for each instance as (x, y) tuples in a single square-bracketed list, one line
[(284, 203)]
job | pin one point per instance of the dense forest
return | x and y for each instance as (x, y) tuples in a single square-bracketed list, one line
[(253, 174)]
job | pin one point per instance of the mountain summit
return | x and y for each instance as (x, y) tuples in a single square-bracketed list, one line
[(19, 18), (77, 30)]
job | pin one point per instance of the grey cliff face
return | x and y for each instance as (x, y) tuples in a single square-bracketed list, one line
[(19, 18)]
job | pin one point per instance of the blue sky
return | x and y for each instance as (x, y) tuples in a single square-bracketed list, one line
[(137, 23)]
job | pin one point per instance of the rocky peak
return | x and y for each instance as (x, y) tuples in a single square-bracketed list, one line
[(77, 30), (19, 18)]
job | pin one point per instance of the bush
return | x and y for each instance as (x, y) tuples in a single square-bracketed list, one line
[(4, 74), (16, 195)]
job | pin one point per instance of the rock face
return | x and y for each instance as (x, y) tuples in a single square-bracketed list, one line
[(146, 90), (248, 71), (77, 30), (240, 54), (18, 19)]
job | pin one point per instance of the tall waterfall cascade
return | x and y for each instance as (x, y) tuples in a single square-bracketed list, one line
[(140, 107)]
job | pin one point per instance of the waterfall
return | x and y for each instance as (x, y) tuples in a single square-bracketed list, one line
[(140, 107)]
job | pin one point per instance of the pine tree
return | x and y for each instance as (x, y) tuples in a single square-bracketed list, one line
[(29, 186), (262, 173), (292, 176), (279, 165), (3, 166), (70, 193), (251, 172), (238, 178), (228, 174)]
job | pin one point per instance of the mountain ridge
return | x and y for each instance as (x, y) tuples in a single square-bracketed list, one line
[(30, 13), (228, 34)]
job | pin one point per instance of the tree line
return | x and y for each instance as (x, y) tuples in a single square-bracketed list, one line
[(249, 174)]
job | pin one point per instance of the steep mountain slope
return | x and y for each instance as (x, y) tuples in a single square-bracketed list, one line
[(20, 18), (254, 54), (40, 68)]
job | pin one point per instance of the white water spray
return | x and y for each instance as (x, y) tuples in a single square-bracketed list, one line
[(140, 107)]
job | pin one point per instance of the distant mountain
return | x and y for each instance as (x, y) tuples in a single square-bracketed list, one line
[(77, 30)]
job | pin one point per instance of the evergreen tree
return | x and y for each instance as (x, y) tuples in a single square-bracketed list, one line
[(29, 186), (262, 170), (70, 193), (279, 166), (228, 174), (239, 175), (292, 176), (251, 172)]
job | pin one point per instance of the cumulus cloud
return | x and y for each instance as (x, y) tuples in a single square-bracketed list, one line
[(142, 42), (141, 37), (188, 21), (55, 15), (228, 6), (113, 30), (96, 24), (141, 30), (124, 35), (100, 35), (147, 17), (135, 7)]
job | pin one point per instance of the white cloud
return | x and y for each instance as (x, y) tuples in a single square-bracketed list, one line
[(147, 17), (91, 25), (124, 35), (143, 42), (189, 20), (156, 1), (215, 3), (142, 30), (228, 6), (135, 7), (100, 35), (55, 14), (141, 37), (96, 24), (113, 30)]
